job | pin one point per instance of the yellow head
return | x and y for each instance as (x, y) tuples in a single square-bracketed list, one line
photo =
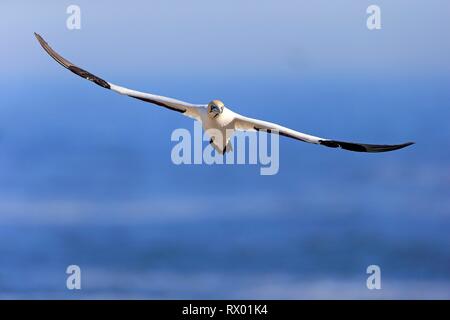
[(215, 108)]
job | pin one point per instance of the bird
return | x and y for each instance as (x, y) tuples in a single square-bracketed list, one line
[(218, 121)]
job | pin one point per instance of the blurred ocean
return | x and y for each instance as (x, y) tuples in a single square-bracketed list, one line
[(86, 176), (80, 185)]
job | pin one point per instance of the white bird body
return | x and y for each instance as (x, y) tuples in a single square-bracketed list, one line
[(219, 129), (218, 121)]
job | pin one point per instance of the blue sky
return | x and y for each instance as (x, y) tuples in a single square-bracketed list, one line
[(234, 37)]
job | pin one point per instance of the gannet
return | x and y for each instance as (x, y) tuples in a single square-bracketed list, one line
[(217, 120)]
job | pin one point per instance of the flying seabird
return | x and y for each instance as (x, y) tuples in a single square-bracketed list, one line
[(217, 120)]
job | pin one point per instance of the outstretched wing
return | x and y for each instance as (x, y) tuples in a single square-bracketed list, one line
[(248, 124), (188, 109)]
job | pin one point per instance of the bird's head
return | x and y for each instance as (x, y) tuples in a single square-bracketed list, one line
[(215, 108)]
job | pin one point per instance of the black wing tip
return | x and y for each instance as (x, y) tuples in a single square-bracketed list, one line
[(360, 147), (39, 37), (395, 147), (407, 144), (89, 76), (68, 65)]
